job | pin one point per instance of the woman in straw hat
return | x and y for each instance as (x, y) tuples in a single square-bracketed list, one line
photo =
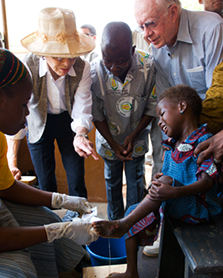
[(60, 106), (27, 229)]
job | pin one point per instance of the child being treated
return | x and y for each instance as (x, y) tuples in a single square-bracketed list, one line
[(183, 190)]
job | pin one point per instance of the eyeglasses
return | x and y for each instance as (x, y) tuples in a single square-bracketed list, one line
[(89, 34), (152, 24), (118, 65), (62, 59)]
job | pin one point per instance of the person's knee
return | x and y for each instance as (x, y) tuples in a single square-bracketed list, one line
[(50, 215), (166, 179)]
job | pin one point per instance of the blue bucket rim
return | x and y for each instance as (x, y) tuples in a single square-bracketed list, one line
[(104, 258)]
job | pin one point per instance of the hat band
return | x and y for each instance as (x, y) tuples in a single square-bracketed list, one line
[(61, 37)]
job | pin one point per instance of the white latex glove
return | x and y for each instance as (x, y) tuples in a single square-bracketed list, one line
[(79, 204), (77, 230)]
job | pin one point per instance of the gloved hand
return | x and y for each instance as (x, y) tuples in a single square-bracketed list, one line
[(77, 230), (78, 204)]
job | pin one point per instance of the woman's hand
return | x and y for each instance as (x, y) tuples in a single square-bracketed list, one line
[(84, 147)]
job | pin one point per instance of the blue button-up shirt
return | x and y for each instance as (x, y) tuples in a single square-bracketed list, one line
[(196, 52)]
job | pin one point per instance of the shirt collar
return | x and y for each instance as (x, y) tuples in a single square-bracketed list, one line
[(43, 68), (184, 32), (191, 139)]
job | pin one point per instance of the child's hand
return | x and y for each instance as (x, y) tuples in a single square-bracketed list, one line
[(157, 176), (160, 191), (166, 179)]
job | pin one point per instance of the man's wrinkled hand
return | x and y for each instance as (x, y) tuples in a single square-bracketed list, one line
[(211, 147)]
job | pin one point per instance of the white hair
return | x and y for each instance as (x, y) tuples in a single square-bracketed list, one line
[(163, 4)]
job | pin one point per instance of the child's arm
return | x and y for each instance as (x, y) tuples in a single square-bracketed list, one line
[(161, 191)]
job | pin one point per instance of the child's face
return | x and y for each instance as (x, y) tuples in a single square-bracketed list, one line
[(169, 117)]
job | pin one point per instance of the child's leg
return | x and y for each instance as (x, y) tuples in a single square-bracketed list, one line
[(118, 228), (166, 179), (131, 251)]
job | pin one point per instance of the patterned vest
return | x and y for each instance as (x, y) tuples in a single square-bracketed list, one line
[(38, 102)]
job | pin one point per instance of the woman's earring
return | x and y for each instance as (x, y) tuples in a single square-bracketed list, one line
[(181, 112)]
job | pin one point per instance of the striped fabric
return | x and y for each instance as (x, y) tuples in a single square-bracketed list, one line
[(44, 260), (11, 69), (16, 264), (147, 228)]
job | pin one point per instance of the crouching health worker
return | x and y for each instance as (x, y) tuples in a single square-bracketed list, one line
[(183, 190), (28, 229)]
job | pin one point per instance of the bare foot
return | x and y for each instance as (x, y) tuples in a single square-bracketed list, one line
[(115, 229)]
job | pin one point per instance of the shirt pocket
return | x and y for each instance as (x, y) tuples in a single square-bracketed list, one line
[(196, 77)]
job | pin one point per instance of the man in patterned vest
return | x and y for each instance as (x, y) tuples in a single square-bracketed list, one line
[(123, 106)]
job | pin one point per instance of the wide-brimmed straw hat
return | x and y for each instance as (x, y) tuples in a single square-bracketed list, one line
[(57, 35)]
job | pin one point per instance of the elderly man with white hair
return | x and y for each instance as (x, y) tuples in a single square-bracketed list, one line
[(186, 45)]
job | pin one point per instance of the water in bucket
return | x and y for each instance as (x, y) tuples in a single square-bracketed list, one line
[(106, 251)]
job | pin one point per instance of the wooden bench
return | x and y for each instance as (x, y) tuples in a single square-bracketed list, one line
[(191, 250), (30, 180)]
